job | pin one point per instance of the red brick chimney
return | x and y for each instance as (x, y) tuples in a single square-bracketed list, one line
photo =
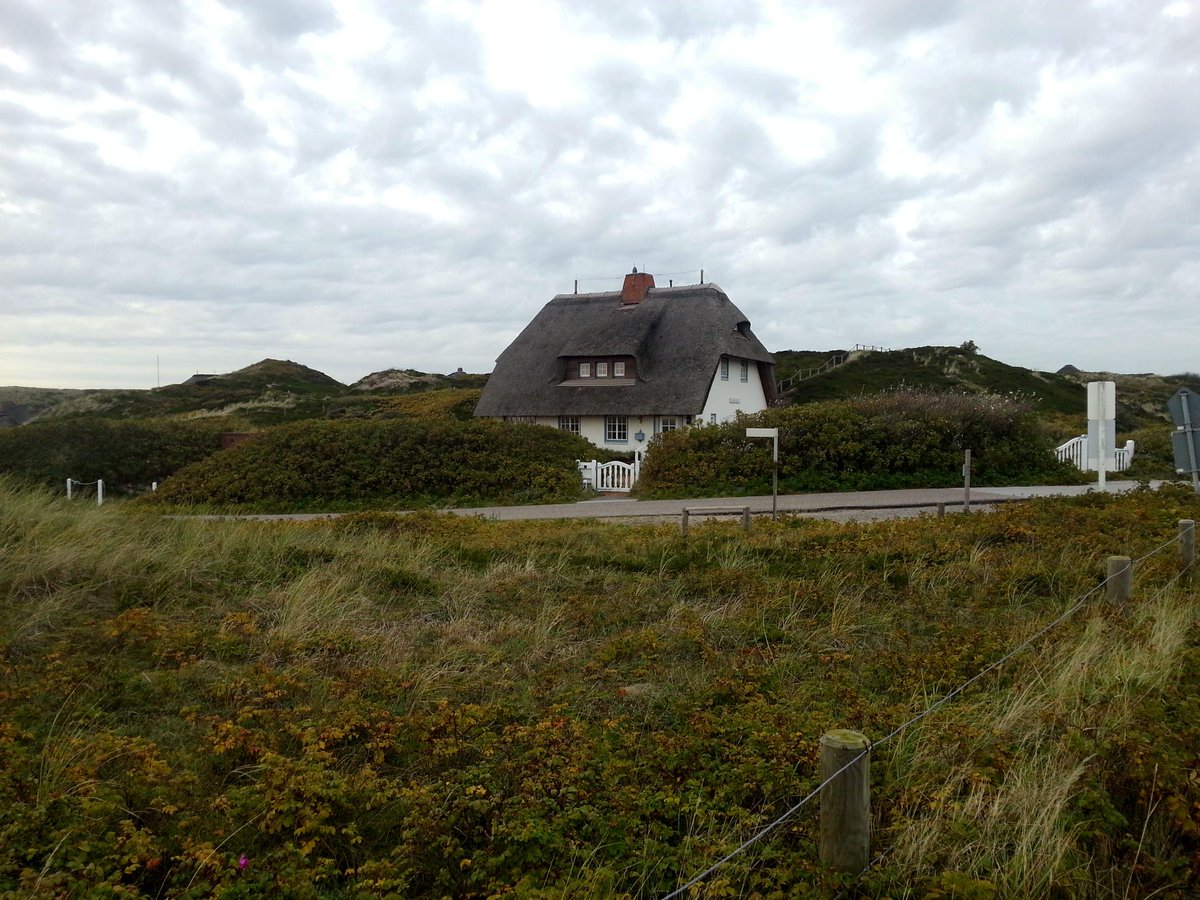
[(635, 287)]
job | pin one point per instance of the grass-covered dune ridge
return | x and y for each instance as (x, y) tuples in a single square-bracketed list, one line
[(339, 464), (901, 438), (437, 706)]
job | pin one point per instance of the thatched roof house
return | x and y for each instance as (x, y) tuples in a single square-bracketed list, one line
[(664, 357)]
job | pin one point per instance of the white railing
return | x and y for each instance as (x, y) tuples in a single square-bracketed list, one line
[(73, 483), (1074, 451), (611, 476)]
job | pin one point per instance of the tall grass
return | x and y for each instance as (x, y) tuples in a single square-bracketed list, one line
[(429, 705)]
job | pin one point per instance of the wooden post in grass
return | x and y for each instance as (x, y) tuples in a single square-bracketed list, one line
[(1187, 541), (941, 509), (1119, 587), (683, 522), (746, 518), (967, 481), (846, 800)]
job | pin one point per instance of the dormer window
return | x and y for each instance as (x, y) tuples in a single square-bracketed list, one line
[(600, 371)]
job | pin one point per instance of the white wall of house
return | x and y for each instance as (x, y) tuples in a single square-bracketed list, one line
[(729, 396), (593, 428)]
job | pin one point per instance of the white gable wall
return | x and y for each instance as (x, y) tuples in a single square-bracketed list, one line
[(727, 398)]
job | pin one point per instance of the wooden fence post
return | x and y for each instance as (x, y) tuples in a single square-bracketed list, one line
[(683, 522), (967, 481), (746, 518), (1187, 541), (941, 510), (846, 801), (1119, 587)]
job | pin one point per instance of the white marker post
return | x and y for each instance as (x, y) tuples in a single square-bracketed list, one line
[(773, 434), (1102, 427)]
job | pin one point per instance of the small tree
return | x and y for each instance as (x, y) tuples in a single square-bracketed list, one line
[(969, 347)]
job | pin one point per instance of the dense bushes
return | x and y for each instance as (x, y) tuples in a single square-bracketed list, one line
[(904, 438), (126, 455), (351, 463)]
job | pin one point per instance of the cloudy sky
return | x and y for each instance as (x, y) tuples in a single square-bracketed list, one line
[(194, 185)]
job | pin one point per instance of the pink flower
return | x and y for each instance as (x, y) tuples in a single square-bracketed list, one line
[(243, 862)]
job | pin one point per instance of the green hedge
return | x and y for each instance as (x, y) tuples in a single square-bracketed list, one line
[(354, 463), (903, 438), (127, 455)]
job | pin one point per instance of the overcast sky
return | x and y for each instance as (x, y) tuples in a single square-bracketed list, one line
[(359, 186)]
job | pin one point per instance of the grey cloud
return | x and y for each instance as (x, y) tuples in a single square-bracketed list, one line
[(669, 20), (286, 19)]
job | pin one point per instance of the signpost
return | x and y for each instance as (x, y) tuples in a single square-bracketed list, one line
[(1102, 427), (773, 434), (1184, 407)]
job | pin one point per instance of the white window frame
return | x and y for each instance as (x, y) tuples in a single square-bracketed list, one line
[(745, 374), (668, 423), (569, 423), (724, 368), (585, 370), (601, 370), (616, 429), (712, 418), (618, 370)]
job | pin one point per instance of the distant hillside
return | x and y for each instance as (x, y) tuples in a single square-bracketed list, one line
[(19, 405), (269, 392), (408, 381), (1061, 396)]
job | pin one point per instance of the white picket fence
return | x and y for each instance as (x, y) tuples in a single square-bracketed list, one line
[(1074, 451), (611, 476)]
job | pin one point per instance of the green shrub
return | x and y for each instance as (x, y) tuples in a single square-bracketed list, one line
[(903, 438), (404, 461), (127, 455), (1153, 456)]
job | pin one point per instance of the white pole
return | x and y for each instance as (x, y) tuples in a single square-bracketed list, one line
[(68, 488), (100, 492)]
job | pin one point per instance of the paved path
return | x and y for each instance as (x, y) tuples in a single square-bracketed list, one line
[(842, 506)]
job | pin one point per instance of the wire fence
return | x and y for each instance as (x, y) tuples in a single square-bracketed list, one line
[(1076, 604), (832, 363)]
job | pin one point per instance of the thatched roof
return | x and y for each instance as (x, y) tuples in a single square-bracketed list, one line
[(677, 335)]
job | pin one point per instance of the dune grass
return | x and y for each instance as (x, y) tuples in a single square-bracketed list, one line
[(438, 706)]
